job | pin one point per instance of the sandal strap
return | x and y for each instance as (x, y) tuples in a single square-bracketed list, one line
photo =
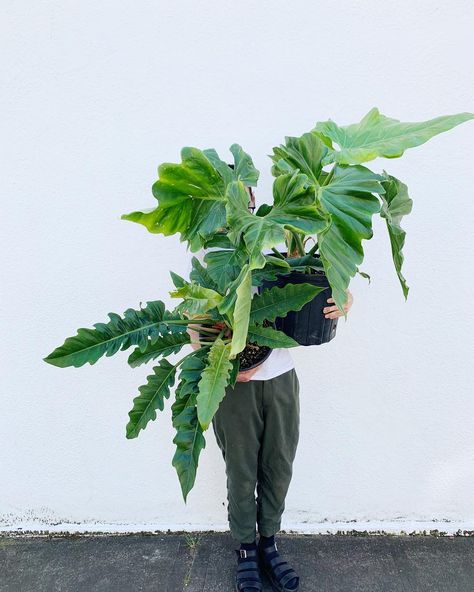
[(244, 553), (275, 561), (287, 577), (280, 569), (269, 549), (253, 584), (247, 566)]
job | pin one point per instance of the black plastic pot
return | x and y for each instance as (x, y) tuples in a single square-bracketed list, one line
[(307, 326)]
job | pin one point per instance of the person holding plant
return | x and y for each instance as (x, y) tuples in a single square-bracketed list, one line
[(256, 427), (322, 192)]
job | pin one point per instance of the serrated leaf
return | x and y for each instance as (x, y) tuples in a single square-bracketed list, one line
[(151, 398), (165, 345), (277, 302), (270, 337), (189, 441), (377, 135), (213, 382), (395, 205), (136, 327)]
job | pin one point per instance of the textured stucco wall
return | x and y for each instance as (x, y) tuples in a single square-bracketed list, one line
[(94, 97)]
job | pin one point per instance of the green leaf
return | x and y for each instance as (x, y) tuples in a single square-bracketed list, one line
[(295, 206), (200, 275), (165, 345), (189, 441), (235, 370), (136, 327), (270, 337), (197, 299), (257, 232), (348, 200), (304, 153), (395, 205), (277, 302), (224, 266), (241, 313), (191, 370), (191, 194), (151, 397), (377, 135), (213, 382), (244, 169), (190, 199), (219, 240)]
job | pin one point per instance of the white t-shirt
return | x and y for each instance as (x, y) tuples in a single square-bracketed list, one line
[(279, 360)]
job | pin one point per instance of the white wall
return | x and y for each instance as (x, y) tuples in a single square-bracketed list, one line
[(95, 96)]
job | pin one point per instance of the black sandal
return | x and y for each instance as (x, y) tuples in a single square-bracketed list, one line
[(278, 571), (247, 576)]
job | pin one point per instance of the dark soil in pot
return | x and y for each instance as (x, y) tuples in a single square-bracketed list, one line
[(253, 355), (307, 326)]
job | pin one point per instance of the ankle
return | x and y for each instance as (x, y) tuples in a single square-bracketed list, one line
[(266, 541)]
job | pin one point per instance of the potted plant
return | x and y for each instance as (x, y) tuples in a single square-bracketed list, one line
[(206, 202), (233, 322)]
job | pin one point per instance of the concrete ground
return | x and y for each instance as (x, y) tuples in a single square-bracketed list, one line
[(204, 562)]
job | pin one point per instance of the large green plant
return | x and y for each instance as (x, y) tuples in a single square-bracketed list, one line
[(206, 202)]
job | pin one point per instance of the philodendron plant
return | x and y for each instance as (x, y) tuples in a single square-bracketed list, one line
[(206, 202)]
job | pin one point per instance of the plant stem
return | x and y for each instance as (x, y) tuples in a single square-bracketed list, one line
[(187, 321), (313, 249), (278, 254), (328, 177), (299, 243)]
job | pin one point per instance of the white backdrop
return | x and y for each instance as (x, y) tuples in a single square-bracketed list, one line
[(95, 96)]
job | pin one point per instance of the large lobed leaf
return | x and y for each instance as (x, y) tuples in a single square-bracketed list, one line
[(294, 208), (151, 398), (348, 199), (224, 266), (213, 382), (395, 205), (345, 195), (137, 327), (377, 135), (191, 194)]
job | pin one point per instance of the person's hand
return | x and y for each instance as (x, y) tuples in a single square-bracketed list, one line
[(332, 312), (246, 375)]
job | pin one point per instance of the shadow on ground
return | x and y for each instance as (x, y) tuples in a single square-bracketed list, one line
[(204, 562)]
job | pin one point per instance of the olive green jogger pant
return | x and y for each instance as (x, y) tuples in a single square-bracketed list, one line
[(257, 429)]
